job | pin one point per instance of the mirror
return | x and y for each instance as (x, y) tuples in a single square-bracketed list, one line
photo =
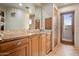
[(31, 22), (34, 19), (31, 17), (1, 20), (37, 24), (34, 23)]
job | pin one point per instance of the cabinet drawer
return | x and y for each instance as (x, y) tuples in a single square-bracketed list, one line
[(12, 44), (19, 52)]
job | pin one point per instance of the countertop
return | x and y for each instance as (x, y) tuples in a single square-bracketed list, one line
[(10, 35)]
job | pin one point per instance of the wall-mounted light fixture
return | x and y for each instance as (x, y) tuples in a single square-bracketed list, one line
[(30, 21), (27, 9), (20, 4), (13, 11)]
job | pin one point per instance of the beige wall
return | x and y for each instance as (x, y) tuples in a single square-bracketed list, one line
[(76, 21)]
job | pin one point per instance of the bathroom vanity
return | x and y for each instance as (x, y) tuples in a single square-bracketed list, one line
[(22, 43)]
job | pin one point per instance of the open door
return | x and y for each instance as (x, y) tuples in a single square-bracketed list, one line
[(67, 27)]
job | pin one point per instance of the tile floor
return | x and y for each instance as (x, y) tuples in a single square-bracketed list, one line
[(65, 50)]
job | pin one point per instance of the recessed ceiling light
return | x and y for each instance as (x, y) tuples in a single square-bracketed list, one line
[(20, 4)]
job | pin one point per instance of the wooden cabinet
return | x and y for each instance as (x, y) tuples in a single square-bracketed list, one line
[(51, 41), (14, 48), (18, 52), (37, 45), (40, 46), (12, 44), (43, 37), (34, 46), (30, 46), (27, 48), (48, 42)]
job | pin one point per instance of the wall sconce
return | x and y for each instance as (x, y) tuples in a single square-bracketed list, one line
[(30, 21), (20, 4), (13, 12)]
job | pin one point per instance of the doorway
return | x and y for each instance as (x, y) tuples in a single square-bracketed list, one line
[(67, 27)]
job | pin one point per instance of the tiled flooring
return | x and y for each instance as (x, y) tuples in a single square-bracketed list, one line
[(65, 50), (67, 39)]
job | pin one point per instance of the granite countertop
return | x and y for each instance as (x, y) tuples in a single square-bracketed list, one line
[(15, 35)]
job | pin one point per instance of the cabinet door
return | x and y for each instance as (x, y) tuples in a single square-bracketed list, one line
[(43, 36), (40, 46), (35, 45), (27, 50), (51, 41), (20, 52), (48, 43), (30, 46)]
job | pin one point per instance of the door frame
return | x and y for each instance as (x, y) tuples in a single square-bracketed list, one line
[(61, 25)]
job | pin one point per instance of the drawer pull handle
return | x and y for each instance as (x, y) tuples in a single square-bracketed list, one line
[(19, 43)]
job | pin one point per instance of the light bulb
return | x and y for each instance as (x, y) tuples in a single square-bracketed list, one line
[(20, 4)]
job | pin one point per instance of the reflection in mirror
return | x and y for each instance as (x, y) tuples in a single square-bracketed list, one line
[(48, 23), (1, 20), (31, 22), (37, 24), (31, 17)]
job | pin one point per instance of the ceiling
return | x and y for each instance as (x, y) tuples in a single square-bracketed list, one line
[(33, 4), (16, 5), (64, 4), (23, 5)]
